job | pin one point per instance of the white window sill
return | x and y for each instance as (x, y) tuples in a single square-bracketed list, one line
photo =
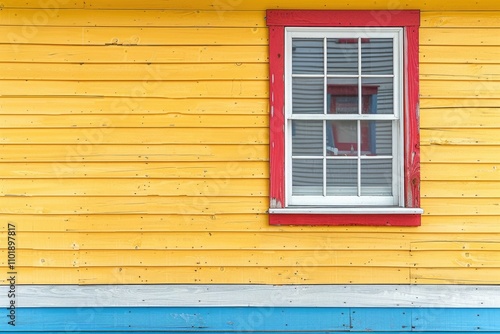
[(344, 210)]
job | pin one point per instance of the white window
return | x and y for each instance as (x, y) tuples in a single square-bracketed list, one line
[(343, 117)]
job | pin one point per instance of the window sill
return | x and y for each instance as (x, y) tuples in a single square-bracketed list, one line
[(346, 216)]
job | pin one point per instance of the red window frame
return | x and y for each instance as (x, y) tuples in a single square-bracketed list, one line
[(277, 20)]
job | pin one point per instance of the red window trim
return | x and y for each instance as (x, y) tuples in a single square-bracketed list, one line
[(277, 20)]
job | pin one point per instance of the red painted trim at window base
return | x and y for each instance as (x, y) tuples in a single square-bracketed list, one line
[(277, 20), (345, 219)]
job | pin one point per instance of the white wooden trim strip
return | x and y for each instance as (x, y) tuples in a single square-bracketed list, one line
[(450, 296), (346, 211)]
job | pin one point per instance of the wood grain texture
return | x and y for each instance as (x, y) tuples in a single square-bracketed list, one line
[(126, 106), (127, 54), (233, 295), (132, 18), (135, 149)]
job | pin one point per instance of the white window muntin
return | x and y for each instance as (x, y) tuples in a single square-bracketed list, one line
[(397, 199)]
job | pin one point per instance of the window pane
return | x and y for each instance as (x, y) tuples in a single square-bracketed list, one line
[(377, 56), (378, 95), (307, 177), (307, 138), (341, 177), (342, 56), (307, 95), (376, 177), (343, 96), (342, 136), (307, 56), (376, 137)]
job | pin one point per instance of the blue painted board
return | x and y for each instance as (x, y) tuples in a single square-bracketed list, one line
[(186, 319), (265, 320)]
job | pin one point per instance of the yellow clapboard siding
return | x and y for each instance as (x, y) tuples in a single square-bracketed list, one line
[(460, 206), (450, 19), (455, 276), (43, 275), (132, 89), (127, 170), (460, 189), (273, 240), (460, 154), (460, 137), (134, 204), (456, 259), (125, 106), (444, 103), (123, 54), (459, 89), (460, 118), (288, 4), (44, 258), (465, 172), (233, 275), (229, 222), (466, 56), (133, 36), (134, 187), (172, 135), (132, 18), (170, 120), (460, 72), (135, 72), (488, 243), (208, 258), (459, 36), (60, 155), (251, 240)]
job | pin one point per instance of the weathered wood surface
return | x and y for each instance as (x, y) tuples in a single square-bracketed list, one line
[(456, 296)]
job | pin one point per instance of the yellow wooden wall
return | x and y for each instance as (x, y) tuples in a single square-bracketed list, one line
[(134, 149)]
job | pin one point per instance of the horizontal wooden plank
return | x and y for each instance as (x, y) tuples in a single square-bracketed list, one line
[(272, 240), (460, 189), (171, 120), (128, 170), (123, 54), (468, 154), (467, 56), (428, 297), (124, 106), (60, 155), (131, 18), (229, 223), (459, 89), (455, 275), (134, 72), (460, 72), (208, 258), (231, 186), (133, 36), (489, 244), (456, 259), (279, 4), (322, 241), (462, 172), (462, 137), (132, 89), (44, 275), (460, 118), (171, 135), (470, 19), (238, 275), (460, 36), (444, 103), (44, 258), (460, 206), (135, 204), (173, 320)]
